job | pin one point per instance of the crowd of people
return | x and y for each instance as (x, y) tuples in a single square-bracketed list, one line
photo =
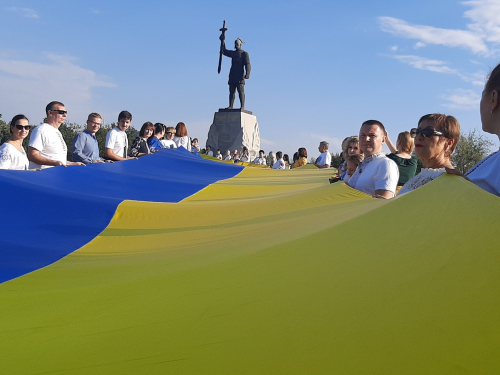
[(364, 166)]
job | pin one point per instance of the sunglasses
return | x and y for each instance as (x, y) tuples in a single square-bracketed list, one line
[(60, 111), (25, 127), (170, 133), (427, 133)]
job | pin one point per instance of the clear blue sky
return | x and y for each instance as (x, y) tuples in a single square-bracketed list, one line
[(319, 68)]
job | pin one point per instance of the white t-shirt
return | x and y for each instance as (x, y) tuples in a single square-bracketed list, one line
[(12, 158), (117, 141), (219, 156), (324, 159), (376, 172), (168, 143), (228, 157), (183, 141), (260, 161), (280, 164), (50, 142), (210, 153), (425, 176)]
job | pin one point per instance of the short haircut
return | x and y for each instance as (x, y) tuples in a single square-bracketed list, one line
[(405, 141), (94, 115), (125, 115), (209, 147), (51, 105), (356, 158), (279, 155), (302, 152), (145, 126), (194, 139), (171, 129), (262, 152), (448, 125), (159, 127), (180, 130), (493, 82), (15, 119), (286, 158), (324, 143), (374, 122)]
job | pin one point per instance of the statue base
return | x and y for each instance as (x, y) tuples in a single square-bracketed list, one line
[(232, 129)]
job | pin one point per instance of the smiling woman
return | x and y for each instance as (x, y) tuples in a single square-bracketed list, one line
[(12, 154), (140, 146), (436, 137)]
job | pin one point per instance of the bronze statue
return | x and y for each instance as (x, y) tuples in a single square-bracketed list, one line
[(240, 68)]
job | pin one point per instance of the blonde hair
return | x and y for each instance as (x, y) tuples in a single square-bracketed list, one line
[(405, 141)]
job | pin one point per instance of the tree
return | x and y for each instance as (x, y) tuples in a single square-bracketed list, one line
[(336, 160), (471, 149)]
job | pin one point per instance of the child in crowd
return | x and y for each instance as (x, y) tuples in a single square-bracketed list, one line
[(352, 163), (195, 147)]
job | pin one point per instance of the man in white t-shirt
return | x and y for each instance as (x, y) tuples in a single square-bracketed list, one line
[(325, 158), (209, 151), (261, 159), (47, 147), (376, 175), (116, 139)]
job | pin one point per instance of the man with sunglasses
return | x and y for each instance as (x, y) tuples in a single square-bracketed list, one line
[(376, 175), (47, 147), (85, 146)]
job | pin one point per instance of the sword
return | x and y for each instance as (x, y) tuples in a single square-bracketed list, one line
[(221, 43)]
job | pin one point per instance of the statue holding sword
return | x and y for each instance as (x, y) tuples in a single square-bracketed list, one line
[(240, 68)]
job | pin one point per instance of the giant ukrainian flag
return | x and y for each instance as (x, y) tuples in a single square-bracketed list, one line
[(173, 264)]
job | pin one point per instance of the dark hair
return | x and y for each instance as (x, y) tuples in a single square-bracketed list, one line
[(145, 126), (374, 122), (159, 127), (286, 158), (194, 139), (448, 125), (125, 115), (50, 105), (295, 157), (180, 130), (218, 149), (493, 82), (279, 155), (209, 147), (262, 152), (302, 152), (15, 119)]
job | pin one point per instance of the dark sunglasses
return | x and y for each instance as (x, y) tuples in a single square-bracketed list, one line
[(427, 133), (170, 133), (60, 111), (25, 127)]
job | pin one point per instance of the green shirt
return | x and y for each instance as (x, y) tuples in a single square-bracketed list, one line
[(407, 167)]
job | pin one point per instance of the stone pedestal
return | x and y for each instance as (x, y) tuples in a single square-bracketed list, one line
[(232, 129)]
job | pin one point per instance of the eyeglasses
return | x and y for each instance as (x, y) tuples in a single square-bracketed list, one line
[(21, 127), (95, 123), (60, 111), (427, 133), (169, 133)]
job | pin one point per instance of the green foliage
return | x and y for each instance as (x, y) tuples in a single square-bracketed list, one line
[(336, 160), (471, 149), (68, 131)]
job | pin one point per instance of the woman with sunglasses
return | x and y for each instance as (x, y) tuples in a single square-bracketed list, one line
[(12, 154), (486, 173), (168, 142), (436, 137)]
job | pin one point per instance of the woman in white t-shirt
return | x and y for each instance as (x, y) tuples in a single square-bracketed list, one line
[(168, 142), (181, 138), (12, 154)]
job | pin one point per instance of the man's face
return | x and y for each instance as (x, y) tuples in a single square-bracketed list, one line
[(261, 154), (57, 114), (94, 124), (371, 139), (123, 124)]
